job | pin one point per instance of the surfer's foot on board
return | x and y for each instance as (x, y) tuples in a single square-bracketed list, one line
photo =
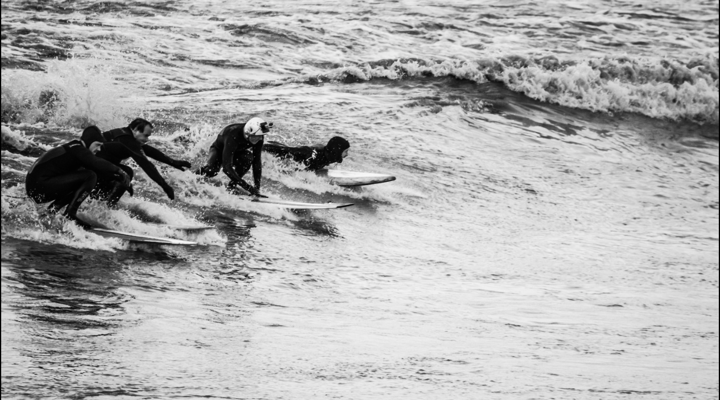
[(80, 222), (54, 208)]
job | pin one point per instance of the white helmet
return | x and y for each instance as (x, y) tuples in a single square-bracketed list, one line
[(256, 126)]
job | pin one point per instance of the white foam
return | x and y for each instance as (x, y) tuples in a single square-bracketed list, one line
[(74, 92), (657, 87), (19, 140)]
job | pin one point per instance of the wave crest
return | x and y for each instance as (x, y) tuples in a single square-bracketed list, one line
[(71, 92), (659, 88)]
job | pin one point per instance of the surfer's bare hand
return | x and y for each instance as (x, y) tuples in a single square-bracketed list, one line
[(181, 164), (123, 177), (169, 191)]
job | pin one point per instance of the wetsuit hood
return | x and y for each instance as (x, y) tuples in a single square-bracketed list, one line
[(92, 134), (335, 148)]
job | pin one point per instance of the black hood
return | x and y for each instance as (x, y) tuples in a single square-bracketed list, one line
[(92, 134), (335, 148)]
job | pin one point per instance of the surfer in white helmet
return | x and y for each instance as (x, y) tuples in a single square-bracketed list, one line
[(237, 148)]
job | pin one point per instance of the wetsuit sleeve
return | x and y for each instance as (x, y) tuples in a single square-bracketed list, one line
[(229, 148), (88, 160), (277, 149), (299, 154), (121, 151), (157, 155), (257, 164)]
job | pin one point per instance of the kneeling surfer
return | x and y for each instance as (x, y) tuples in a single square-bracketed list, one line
[(237, 148)]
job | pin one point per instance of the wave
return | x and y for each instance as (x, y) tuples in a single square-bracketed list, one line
[(79, 93), (662, 88), (18, 142), (72, 92)]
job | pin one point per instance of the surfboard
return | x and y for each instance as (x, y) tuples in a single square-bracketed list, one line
[(352, 178), (139, 238), (133, 237), (188, 227), (296, 205)]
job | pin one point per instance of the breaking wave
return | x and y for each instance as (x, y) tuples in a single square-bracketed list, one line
[(72, 92), (660, 88)]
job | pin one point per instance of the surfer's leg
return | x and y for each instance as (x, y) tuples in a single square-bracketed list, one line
[(80, 194), (108, 185), (40, 192), (118, 188), (66, 190), (104, 187), (212, 167), (58, 189), (61, 202)]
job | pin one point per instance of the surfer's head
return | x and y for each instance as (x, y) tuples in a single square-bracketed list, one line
[(255, 129), (92, 138), (141, 129), (337, 149)]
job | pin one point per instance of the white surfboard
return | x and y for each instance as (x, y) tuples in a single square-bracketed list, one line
[(296, 205), (184, 227), (98, 229), (139, 238), (352, 178)]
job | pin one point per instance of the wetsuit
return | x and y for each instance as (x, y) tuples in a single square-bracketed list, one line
[(65, 175), (111, 189), (235, 154), (125, 136), (314, 158)]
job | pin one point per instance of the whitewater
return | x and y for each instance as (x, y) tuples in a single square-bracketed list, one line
[(552, 232)]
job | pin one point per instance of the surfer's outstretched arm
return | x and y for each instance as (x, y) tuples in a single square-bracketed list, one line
[(257, 166), (158, 155), (229, 149), (277, 149), (119, 150)]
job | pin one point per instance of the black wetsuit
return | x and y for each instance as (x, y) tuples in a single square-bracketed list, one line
[(314, 158), (125, 136), (109, 188), (138, 152), (65, 175), (235, 154)]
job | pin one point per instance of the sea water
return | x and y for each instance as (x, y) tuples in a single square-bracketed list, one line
[(552, 232)]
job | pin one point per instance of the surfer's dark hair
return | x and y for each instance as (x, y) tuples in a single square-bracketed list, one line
[(139, 124)]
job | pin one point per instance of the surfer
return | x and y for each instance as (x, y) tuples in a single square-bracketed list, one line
[(237, 148), (66, 174), (314, 158), (110, 189), (135, 137)]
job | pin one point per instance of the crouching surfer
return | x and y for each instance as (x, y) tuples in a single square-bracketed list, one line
[(237, 148), (66, 174), (110, 189), (131, 142)]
